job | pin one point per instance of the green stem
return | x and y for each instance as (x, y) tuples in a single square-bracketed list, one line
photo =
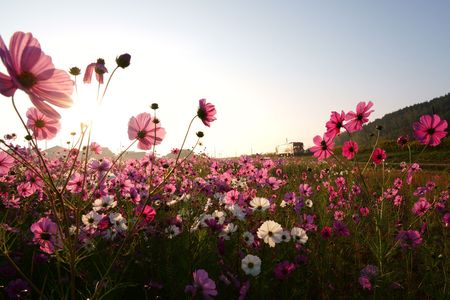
[(107, 84)]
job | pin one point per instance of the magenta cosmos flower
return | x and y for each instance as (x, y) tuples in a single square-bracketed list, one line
[(6, 162), (358, 118), (33, 72), (146, 130), (335, 124), (430, 130), (378, 156), (323, 147), (349, 149), (45, 234), (206, 112), (43, 127)]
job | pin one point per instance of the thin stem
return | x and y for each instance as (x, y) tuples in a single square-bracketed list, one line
[(16, 267), (107, 84), (373, 150)]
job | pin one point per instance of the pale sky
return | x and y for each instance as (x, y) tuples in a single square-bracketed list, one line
[(273, 69)]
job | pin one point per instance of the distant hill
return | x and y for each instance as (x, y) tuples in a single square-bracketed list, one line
[(58, 151), (400, 122)]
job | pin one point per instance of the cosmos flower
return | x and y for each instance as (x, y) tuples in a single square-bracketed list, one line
[(259, 204), (349, 149), (96, 148), (270, 231), (430, 130), (358, 118), (91, 220), (378, 156), (206, 112), (146, 130), (251, 265), (104, 203), (33, 72), (45, 234), (409, 239), (335, 124), (284, 269), (202, 283), (299, 235), (323, 147), (43, 127), (248, 238), (6, 162), (99, 68)]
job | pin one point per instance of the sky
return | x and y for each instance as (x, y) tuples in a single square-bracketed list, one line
[(273, 69)]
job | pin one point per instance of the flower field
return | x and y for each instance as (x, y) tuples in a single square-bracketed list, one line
[(326, 226)]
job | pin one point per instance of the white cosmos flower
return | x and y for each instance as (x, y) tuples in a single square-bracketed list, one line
[(260, 204), (91, 220), (227, 231), (237, 211), (118, 221), (219, 216), (299, 235), (248, 238), (105, 202), (270, 231), (172, 231), (251, 265), (309, 203), (285, 236)]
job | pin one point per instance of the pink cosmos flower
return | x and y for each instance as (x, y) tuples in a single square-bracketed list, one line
[(43, 127), (350, 149), (358, 118), (409, 239), (421, 207), (6, 162), (99, 68), (33, 72), (378, 156), (335, 124), (326, 232), (96, 148), (206, 112), (45, 234), (75, 183), (323, 147), (446, 220), (146, 130), (149, 213), (284, 269), (202, 282), (365, 283), (430, 130)]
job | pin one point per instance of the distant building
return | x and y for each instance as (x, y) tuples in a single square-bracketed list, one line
[(290, 149)]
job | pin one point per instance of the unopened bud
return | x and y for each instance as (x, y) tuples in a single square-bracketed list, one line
[(379, 127), (154, 106), (156, 120), (75, 71), (200, 134), (28, 137), (123, 60)]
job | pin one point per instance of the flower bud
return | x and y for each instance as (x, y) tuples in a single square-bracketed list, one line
[(154, 106), (123, 60), (200, 134), (379, 127), (28, 137), (75, 71)]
